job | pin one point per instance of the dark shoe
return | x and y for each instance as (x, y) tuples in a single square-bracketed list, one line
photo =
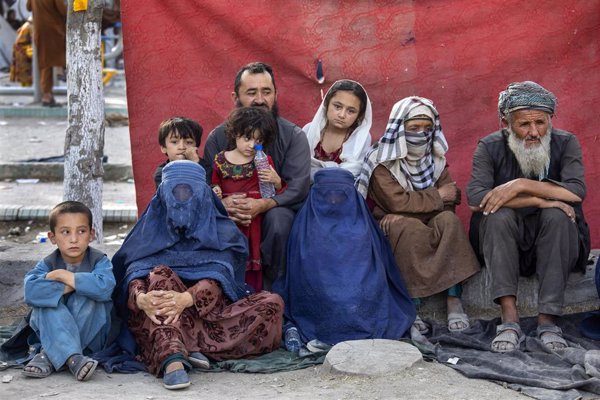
[(316, 346), (199, 360), (177, 379)]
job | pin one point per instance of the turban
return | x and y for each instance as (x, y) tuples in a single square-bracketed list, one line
[(525, 95)]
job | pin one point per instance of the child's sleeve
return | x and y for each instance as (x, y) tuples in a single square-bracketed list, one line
[(39, 291), (98, 285), (216, 176), (283, 183)]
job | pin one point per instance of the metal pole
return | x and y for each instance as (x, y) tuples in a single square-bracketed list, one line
[(35, 71)]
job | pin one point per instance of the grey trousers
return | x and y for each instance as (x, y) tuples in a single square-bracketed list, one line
[(276, 226), (552, 238)]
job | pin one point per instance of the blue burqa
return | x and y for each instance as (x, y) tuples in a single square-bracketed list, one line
[(185, 227), (342, 282)]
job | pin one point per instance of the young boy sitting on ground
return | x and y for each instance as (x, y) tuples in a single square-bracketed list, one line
[(179, 138), (70, 295)]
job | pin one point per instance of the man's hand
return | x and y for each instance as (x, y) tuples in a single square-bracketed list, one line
[(567, 209), (387, 221), (238, 209), (500, 195), (450, 193)]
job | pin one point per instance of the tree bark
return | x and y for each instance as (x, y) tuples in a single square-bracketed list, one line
[(84, 142)]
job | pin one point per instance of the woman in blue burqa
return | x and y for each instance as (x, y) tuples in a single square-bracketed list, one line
[(341, 282), (180, 282)]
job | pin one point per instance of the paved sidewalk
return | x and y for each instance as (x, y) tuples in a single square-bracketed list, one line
[(31, 168)]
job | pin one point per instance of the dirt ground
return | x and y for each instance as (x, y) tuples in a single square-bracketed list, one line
[(423, 381)]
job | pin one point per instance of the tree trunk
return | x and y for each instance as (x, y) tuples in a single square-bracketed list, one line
[(84, 143)]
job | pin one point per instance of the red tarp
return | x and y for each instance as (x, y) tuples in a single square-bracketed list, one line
[(182, 56)]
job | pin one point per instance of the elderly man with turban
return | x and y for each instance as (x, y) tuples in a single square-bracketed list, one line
[(526, 191)]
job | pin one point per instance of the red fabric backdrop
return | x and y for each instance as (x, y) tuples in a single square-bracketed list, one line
[(181, 58)]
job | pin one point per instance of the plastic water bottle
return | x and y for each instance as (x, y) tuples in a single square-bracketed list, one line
[(261, 162), (292, 340)]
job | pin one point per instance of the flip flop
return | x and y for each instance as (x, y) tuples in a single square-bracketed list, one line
[(40, 361), (551, 337), (510, 333), (77, 362), (454, 318)]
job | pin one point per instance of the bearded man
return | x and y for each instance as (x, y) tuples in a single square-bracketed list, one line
[(254, 86), (526, 191)]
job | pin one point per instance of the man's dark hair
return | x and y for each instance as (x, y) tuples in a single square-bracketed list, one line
[(69, 207), (253, 68), (181, 127), (243, 121)]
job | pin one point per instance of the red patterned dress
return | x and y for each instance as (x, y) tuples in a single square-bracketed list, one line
[(242, 178), (213, 325), (322, 155)]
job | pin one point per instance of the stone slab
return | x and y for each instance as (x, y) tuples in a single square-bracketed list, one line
[(371, 357)]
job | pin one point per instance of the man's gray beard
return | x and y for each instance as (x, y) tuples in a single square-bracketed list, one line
[(534, 160)]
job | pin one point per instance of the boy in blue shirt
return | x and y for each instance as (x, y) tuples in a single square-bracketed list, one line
[(70, 295)]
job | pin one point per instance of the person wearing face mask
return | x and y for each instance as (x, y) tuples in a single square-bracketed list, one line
[(180, 283), (405, 178)]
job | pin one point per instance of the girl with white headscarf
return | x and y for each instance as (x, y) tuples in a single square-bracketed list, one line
[(406, 177), (339, 135)]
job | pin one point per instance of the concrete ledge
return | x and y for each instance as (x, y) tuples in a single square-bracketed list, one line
[(47, 112), (580, 296), (55, 171), (26, 213)]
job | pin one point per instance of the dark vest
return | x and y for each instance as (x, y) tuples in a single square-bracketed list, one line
[(506, 168)]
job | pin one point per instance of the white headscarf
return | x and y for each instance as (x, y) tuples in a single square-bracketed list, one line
[(391, 150), (353, 149)]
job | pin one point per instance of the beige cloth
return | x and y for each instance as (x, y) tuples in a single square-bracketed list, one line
[(429, 243)]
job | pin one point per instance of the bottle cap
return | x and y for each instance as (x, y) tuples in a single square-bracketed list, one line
[(258, 147)]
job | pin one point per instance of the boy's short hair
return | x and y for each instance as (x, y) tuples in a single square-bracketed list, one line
[(180, 126), (69, 207), (243, 121)]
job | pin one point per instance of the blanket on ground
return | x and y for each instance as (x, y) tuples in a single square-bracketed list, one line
[(532, 369)]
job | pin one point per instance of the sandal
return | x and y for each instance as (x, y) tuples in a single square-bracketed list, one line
[(458, 319), (41, 362), (421, 326), (508, 334), (198, 360), (551, 337), (78, 362)]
